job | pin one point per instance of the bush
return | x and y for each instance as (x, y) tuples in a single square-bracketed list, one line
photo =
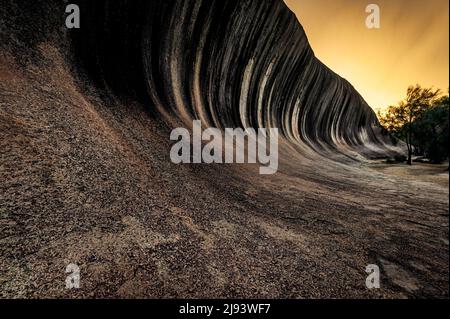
[(397, 159), (390, 161), (400, 158)]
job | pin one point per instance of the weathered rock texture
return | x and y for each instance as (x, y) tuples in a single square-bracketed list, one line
[(85, 174), (229, 64)]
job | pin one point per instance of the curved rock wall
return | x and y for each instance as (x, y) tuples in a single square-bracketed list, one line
[(229, 64), (86, 175)]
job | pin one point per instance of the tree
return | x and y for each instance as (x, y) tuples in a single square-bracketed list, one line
[(431, 131), (399, 119)]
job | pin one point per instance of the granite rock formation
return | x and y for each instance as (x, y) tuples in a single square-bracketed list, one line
[(228, 64), (86, 178)]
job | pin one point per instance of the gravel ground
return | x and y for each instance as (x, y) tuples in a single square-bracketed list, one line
[(88, 180)]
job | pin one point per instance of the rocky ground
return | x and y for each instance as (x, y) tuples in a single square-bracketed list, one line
[(88, 180)]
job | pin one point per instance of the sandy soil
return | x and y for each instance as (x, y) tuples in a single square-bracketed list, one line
[(87, 180), (418, 172)]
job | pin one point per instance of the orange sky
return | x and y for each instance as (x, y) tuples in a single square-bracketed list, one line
[(411, 47)]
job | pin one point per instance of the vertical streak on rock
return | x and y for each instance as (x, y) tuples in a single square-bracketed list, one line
[(229, 64), (243, 100)]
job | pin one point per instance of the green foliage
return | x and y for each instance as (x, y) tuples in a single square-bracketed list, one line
[(396, 159), (431, 131), (421, 121), (400, 158)]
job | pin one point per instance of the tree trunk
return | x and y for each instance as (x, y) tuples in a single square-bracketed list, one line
[(409, 140), (410, 155)]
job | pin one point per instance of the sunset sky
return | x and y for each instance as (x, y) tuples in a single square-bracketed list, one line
[(411, 46)]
